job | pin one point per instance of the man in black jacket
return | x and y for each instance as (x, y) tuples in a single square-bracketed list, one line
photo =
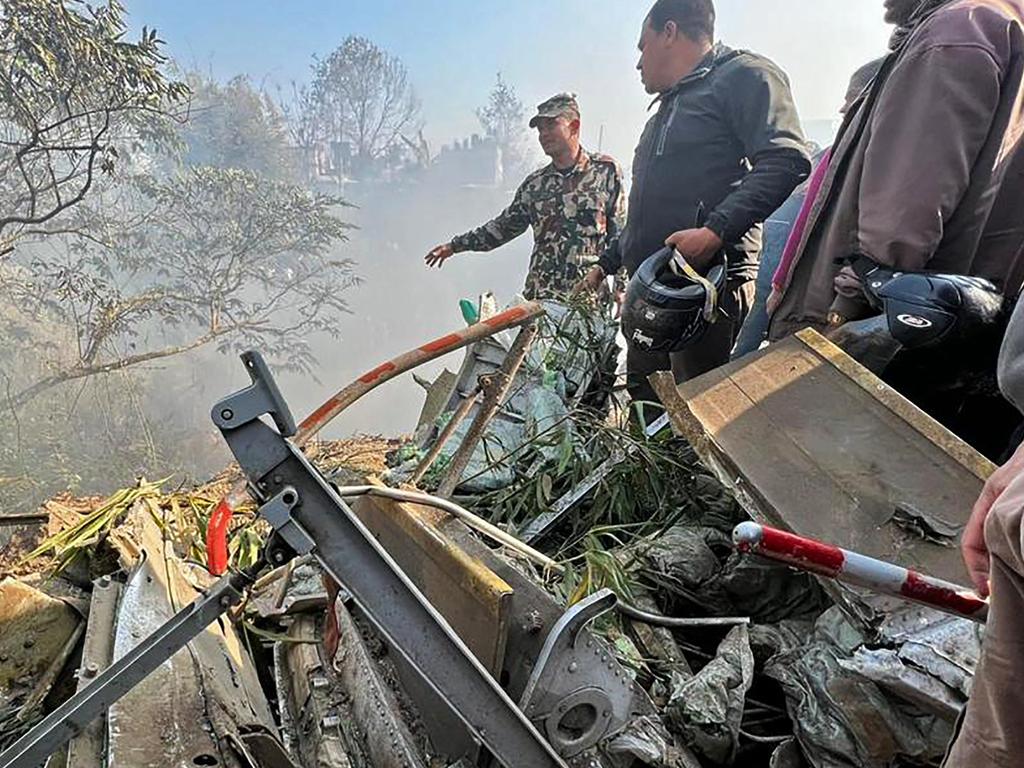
[(724, 150)]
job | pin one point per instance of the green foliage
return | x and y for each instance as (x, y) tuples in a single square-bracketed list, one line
[(182, 516), (74, 95), (211, 259), (504, 116), (651, 483), (68, 545), (232, 125), (222, 257), (600, 569)]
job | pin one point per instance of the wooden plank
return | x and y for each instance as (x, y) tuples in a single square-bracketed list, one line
[(472, 598), (813, 443), (960, 451)]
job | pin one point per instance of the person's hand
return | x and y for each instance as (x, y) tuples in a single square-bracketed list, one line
[(848, 283), (773, 301), (620, 300), (591, 281), (972, 545), (438, 256), (697, 246)]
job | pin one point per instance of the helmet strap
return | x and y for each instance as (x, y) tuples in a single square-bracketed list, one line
[(681, 267)]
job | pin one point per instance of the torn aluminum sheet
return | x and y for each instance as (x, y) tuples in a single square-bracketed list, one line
[(646, 740), (787, 755), (532, 411), (88, 748), (343, 712), (37, 627), (708, 707), (886, 668), (925, 526), (574, 345), (944, 646), (373, 706), (570, 348), (841, 718), (313, 720), (40, 633), (206, 697)]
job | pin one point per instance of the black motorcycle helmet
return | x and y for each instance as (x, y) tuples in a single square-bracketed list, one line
[(668, 306), (925, 309)]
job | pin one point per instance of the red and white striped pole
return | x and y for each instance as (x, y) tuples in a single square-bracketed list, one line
[(851, 568)]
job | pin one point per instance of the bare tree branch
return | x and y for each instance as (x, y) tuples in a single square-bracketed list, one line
[(361, 97)]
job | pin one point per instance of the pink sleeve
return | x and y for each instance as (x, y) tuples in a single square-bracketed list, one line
[(780, 280)]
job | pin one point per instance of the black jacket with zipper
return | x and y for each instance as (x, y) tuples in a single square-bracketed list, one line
[(724, 150)]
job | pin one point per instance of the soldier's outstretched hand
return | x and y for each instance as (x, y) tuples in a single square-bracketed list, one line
[(441, 254), (591, 281)]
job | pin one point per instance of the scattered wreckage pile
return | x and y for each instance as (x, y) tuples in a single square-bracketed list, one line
[(759, 664)]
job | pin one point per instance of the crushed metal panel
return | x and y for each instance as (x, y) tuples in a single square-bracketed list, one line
[(373, 706), (528, 612), (474, 600), (88, 749), (193, 709), (307, 703), (810, 441), (533, 614), (438, 397), (36, 631), (171, 695)]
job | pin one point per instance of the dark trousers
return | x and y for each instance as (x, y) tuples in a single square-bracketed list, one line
[(712, 351)]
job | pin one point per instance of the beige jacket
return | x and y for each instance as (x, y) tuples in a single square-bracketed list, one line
[(927, 173)]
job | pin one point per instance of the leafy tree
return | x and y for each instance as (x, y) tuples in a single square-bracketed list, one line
[(304, 126), (503, 118), (361, 97), (74, 94), (232, 125), (212, 257)]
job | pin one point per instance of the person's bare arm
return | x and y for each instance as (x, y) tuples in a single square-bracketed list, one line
[(972, 545)]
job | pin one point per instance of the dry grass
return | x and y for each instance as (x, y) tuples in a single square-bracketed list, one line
[(79, 527)]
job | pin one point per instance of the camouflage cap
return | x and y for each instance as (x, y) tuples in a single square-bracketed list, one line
[(559, 105)]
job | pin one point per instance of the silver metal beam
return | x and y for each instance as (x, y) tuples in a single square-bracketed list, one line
[(69, 719)]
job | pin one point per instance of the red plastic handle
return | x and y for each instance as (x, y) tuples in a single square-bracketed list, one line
[(217, 537)]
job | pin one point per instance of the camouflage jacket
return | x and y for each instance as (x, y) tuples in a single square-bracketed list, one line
[(574, 214)]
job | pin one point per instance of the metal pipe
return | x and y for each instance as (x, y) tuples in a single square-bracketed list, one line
[(657, 620), (519, 315), (851, 568), (494, 393), (503, 537), (473, 521), (220, 518), (449, 429)]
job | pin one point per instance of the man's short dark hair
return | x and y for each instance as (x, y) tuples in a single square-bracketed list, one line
[(694, 18)]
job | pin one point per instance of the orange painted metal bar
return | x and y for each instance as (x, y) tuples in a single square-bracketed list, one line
[(220, 519)]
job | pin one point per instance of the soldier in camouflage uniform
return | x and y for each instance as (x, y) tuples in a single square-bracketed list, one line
[(576, 206)]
